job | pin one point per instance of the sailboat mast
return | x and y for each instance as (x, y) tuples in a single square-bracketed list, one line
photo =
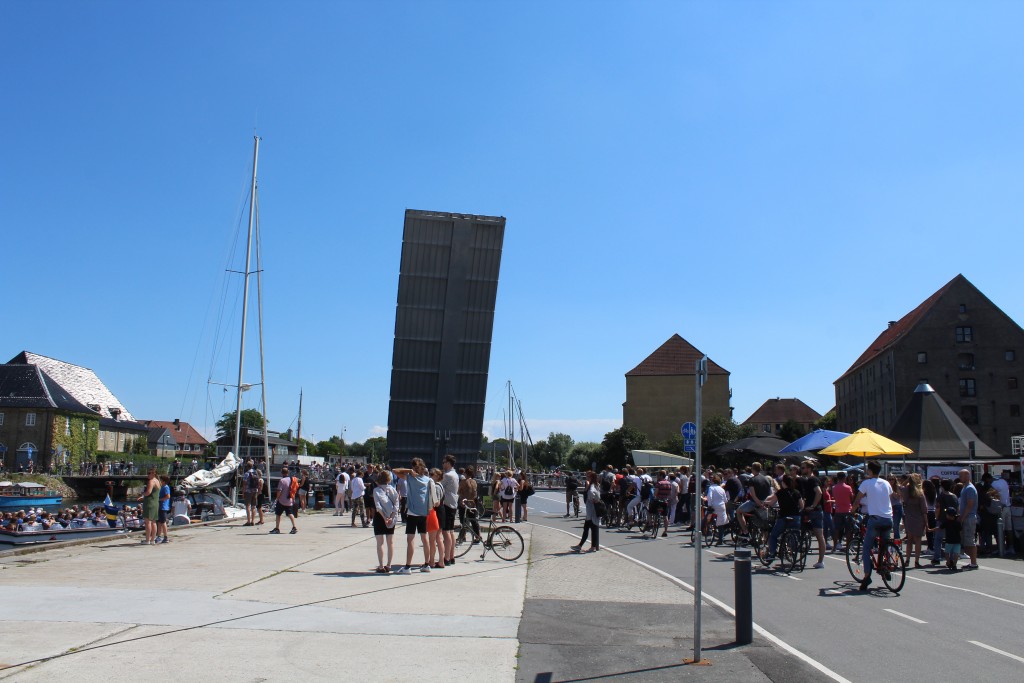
[(245, 300), (298, 437), (259, 310)]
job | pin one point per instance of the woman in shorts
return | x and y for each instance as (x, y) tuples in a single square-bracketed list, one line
[(385, 515)]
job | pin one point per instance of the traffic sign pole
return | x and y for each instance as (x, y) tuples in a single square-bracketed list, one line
[(698, 519)]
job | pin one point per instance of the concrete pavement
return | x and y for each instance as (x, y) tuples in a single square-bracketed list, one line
[(237, 604)]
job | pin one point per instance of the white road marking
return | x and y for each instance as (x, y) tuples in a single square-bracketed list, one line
[(728, 610), (790, 576), (833, 591), (905, 616), (1000, 571), (996, 650), (966, 590)]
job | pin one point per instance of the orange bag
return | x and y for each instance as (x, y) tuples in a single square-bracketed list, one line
[(432, 523)]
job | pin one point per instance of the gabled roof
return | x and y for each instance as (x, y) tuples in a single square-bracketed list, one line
[(778, 410), (156, 435), (930, 428), (675, 357), (123, 425), (27, 386), (81, 383), (901, 327), (183, 433)]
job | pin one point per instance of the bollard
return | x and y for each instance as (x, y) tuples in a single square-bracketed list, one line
[(1000, 529), (518, 508), (743, 597)]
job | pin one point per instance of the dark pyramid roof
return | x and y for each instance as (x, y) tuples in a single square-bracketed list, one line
[(783, 409), (932, 430), (675, 357), (27, 386)]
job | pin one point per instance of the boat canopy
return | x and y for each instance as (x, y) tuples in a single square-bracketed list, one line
[(31, 485)]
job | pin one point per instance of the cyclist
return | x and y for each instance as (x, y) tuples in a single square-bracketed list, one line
[(791, 504), (663, 490), (716, 498), (810, 487), (627, 492), (606, 485), (571, 495), (875, 492), (757, 492)]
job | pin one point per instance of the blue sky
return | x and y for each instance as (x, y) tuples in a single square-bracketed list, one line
[(773, 181)]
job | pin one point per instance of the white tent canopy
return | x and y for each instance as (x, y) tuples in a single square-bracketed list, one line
[(659, 459)]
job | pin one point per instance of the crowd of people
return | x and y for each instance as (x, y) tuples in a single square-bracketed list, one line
[(933, 516)]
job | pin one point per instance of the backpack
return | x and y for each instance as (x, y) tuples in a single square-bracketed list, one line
[(252, 481), (293, 487), (606, 483), (645, 490), (509, 492)]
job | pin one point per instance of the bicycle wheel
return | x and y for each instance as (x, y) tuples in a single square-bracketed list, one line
[(708, 533), (893, 568), (789, 551), (507, 543), (805, 549), (463, 540), (854, 562)]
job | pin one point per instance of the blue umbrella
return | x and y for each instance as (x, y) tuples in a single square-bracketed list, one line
[(815, 441)]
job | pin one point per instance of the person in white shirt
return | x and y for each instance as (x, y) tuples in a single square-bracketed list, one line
[(715, 500), (341, 486), (876, 493), (357, 489)]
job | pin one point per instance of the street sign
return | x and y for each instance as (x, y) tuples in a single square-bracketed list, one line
[(689, 432)]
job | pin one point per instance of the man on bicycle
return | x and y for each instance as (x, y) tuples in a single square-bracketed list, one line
[(571, 495), (757, 493), (875, 492), (663, 489)]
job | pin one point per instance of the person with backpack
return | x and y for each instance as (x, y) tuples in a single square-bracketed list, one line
[(572, 486), (287, 487), (302, 497), (253, 482), (508, 488)]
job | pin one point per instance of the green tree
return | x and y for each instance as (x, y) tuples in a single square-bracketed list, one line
[(376, 448), (718, 430), (673, 444), (791, 430), (326, 448), (619, 442), (559, 446), (583, 454), (827, 421), (251, 419)]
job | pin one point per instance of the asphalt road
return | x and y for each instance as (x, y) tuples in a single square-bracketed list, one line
[(942, 626)]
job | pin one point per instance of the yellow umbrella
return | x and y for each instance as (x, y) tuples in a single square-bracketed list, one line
[(865, 444)]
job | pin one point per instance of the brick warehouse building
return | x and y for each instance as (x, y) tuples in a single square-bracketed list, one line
[(661, 391), (957, 341)]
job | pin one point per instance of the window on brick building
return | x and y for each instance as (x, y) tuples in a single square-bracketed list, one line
[(963, 308), (922, 357), (969, 414), (967, 387), (1011, 382), (965, 361), (1011, 354), (1, 419), (1014, 410), (964, 334), (30, 419)]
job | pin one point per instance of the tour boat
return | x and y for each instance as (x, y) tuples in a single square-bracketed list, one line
[(25, 494), (52, 535)]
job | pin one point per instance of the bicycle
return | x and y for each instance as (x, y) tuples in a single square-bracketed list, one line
[(502, 540), (886, 559), (707, 529), (654, 522), (574, 496)]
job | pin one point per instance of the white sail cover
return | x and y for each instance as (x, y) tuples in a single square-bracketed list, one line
[(204, 478)]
